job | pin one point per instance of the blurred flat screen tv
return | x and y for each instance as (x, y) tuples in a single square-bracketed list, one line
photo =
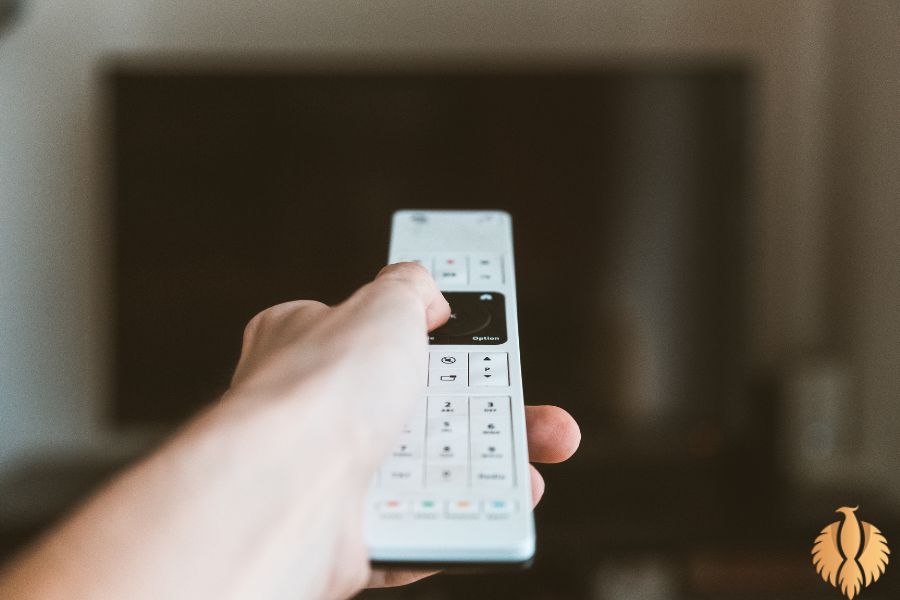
[(238, 188)]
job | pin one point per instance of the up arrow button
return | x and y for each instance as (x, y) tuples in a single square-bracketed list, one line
[(497, 374)]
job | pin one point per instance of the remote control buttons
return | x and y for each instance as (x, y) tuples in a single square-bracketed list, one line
[(491, 450), (458, 369), (453, 442), (499, 509), (489, 406), (451, 268), (458, 507), (490, 427), (447, 406), (403, 469), (427, 509), (446, 476), (448, 360), (425, 261), (467, 319), (447, 451), (463, 508), (393, 508), (481, 270), (476, 318), (501, 477), (448, 369), (447, 427), (485, 269), (402, 475), (438, 378), (407, 448), (447, 441), (488, 369)]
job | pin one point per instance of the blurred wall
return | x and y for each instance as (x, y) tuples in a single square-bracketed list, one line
[(825, 142), (864, 181)]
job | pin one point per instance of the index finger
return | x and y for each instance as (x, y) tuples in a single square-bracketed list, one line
[(416, 279)]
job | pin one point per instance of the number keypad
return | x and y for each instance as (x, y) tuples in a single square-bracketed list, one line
[(467, 443)]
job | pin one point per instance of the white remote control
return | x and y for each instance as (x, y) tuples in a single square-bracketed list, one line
[(456, 488)]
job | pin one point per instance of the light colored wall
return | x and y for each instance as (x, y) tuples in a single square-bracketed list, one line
[(866, 201), (54, 260)]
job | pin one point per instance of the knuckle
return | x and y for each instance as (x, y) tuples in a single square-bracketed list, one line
[(267, 317), (405, 270), (410, 276), (303, 306), (253, 325)]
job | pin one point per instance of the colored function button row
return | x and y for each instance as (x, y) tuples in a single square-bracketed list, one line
[(463, 507)]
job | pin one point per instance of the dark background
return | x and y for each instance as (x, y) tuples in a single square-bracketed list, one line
[(236, 191)]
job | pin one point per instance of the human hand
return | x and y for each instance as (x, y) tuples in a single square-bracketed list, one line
[(553, 435), (367, 351), (261, 495)]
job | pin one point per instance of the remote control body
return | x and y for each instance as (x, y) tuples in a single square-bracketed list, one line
[(455, 490)]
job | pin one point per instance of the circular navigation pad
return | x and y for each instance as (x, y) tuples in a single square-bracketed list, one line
[(475, 318), (466, 320)]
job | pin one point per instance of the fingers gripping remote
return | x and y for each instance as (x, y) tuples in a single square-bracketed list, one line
[(455, 489)]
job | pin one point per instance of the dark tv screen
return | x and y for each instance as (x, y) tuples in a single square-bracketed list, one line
[(236, 189)]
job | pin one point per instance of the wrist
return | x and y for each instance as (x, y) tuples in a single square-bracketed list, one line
[(300, 429)]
